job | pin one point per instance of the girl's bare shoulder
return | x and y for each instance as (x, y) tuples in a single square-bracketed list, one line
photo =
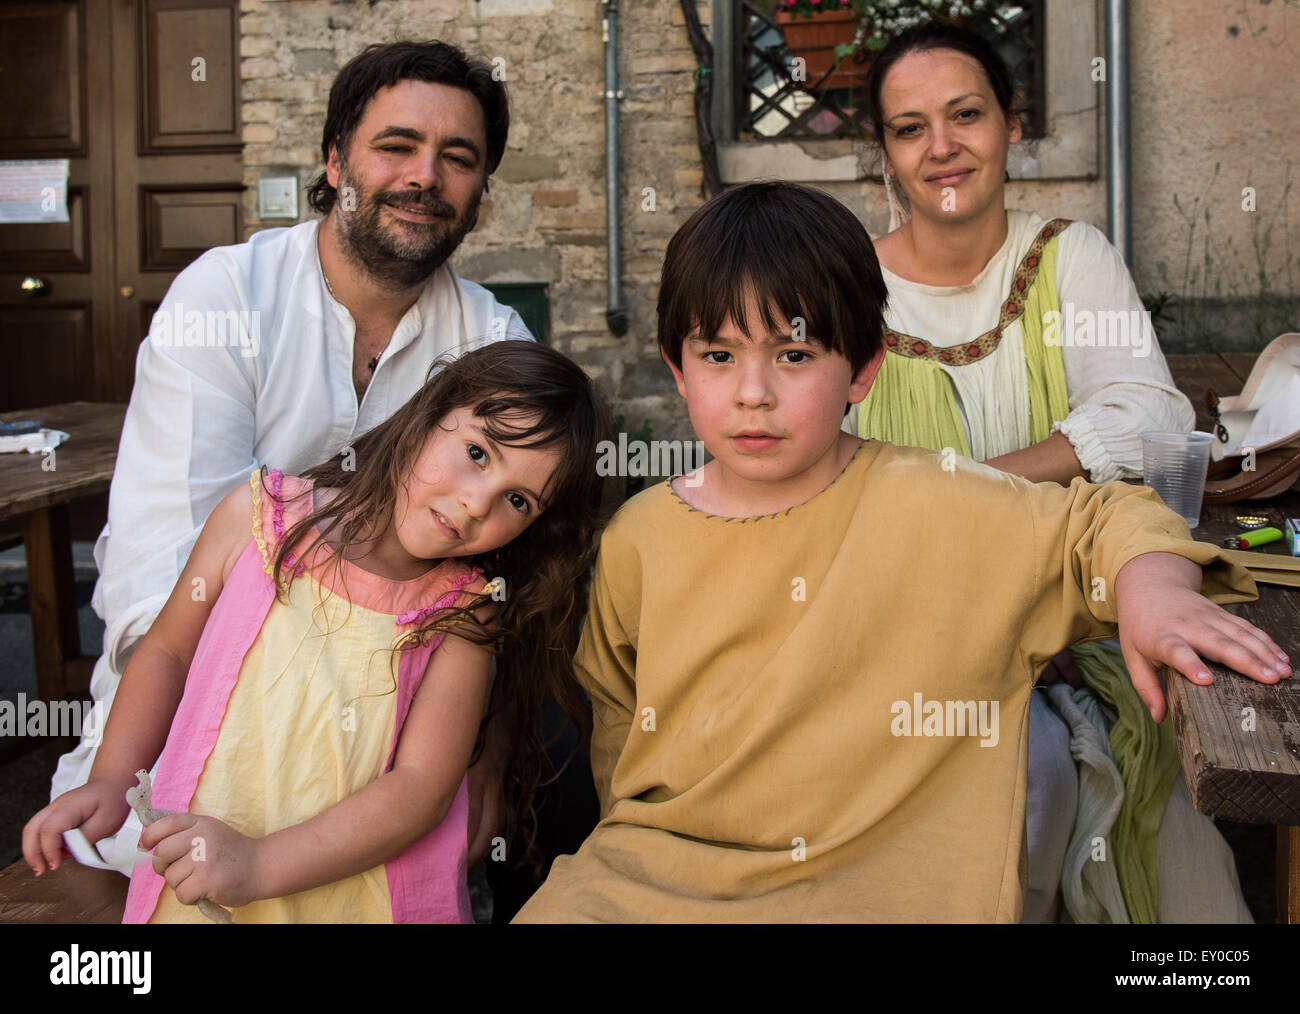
[(230, 525)]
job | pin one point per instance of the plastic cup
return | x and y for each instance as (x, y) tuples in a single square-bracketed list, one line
[(1174, 464)]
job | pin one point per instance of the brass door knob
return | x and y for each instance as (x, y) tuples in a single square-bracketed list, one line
[(127, 291), (32, 286)]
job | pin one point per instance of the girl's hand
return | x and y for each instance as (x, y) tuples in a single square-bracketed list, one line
[(98, 808), (1164, 620), (202, 857)]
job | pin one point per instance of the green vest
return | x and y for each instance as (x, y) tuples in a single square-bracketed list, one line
[(913, 400)]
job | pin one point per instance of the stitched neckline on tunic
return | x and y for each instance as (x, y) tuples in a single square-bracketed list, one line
[(779, 514)]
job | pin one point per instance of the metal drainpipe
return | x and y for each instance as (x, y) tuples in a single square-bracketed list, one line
[(1118, 180), (615, 311)]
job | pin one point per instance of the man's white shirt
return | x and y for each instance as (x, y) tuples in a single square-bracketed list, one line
[(218, 394)]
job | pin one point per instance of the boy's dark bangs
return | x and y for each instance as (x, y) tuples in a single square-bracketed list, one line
[(774, 258)]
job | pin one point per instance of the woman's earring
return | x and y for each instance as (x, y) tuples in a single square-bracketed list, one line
[(898, 213)]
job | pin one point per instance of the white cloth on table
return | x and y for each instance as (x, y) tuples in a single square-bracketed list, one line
[(1115, 392), (205, 411)]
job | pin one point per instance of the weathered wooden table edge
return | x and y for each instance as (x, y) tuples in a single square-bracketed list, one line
[(1263, 787)]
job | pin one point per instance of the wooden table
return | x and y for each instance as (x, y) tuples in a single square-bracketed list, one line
[(70, 894), (1246, 776), (38, 493)]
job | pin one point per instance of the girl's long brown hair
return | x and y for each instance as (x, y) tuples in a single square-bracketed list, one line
[(534, 632)]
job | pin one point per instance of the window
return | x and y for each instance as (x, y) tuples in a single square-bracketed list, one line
[(530, 301), (782, 107)]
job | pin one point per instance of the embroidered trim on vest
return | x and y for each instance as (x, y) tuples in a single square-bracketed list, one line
[(447, 599), (972, 351)]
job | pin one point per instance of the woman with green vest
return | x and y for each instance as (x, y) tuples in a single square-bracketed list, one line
[(1021, 342)]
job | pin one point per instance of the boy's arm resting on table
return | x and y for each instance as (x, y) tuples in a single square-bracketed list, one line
[(1115, 555), (1165, 620), (150, 692), (362, 831)]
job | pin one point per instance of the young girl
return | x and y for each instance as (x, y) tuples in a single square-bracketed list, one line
[(339, 631)]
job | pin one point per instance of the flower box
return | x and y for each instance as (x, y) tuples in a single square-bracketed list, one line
[(815, 38)]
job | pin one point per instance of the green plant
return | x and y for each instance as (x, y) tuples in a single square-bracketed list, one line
[(1157, 304)]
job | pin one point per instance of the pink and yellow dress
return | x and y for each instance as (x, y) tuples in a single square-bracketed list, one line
[(290, 707)]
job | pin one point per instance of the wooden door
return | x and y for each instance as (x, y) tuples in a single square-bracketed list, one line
[(142, 97), (55, 93), (178, 170)]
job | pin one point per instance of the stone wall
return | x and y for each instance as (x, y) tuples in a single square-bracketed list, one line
[(1213, 88), (1213, 112)]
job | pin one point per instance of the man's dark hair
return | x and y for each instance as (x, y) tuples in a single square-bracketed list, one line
[(792, 247), (384, 65)]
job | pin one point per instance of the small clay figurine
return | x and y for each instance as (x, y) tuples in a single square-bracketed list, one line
[(141, 799)]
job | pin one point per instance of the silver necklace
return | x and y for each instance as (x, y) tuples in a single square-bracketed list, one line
[(375, 361)]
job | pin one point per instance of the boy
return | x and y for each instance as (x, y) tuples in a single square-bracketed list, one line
[(811, 668)]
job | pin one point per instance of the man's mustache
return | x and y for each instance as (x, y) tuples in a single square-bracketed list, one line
[(423, 200)]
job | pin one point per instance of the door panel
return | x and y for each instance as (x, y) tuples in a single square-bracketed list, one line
[(178, 179), (181, 224), (50, 246), (41, 42), (176, 111), (44, 350)]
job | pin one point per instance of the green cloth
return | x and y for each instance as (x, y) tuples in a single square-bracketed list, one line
[(1049, 399), (913, 401), (1147, 757)]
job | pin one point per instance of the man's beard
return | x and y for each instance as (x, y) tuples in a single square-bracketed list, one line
[(404, 253)]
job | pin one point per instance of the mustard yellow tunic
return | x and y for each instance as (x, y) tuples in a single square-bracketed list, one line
[(821, 715)]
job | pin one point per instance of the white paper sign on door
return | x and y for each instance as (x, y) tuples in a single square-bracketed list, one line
[(34, 190)]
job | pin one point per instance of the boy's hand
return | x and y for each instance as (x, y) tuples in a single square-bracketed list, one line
[(98, 808), (202, 857), (1164, 620)]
